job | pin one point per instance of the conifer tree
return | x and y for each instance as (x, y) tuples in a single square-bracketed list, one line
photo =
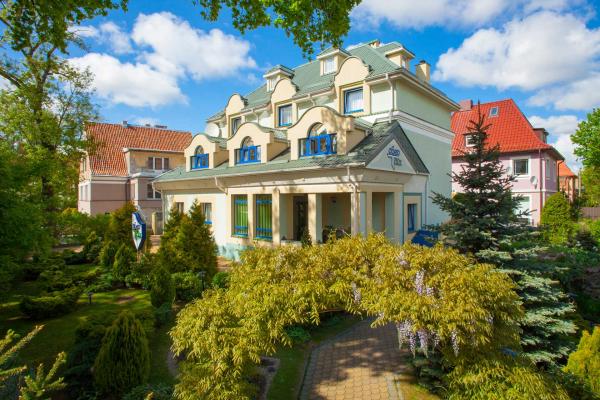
[(485, 212), (196, 247), (168, 255), (556, 219), (123, 259), (162, 288), (585, 362), (124, 358)]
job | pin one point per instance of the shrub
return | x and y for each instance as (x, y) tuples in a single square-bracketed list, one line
[(104, 283), (9, 271), (163, 314), (298, 334), (73, 258), (54, 280), (585, 361), (584, 239), (92, 247), (168, 253), (51, 305), (556, 219), (221, 280), (187, 286), (123, 361), (154, 391), (141, 271), (119, 226), (162, 289), (107, 254), (123, 259), (594, 227)]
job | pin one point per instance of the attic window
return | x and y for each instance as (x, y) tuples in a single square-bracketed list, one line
[(328, 65), (271, 82), (494, 112)]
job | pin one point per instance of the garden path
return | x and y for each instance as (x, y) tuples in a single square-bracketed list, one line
[(361, 363)]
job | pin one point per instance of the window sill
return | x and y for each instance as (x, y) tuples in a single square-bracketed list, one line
[(353, 111)]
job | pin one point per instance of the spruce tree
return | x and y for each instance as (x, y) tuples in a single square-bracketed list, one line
[(556, 219), (124, 358), (162, 288), (123, 260), (195, 245), (485, 212), (168, 255)]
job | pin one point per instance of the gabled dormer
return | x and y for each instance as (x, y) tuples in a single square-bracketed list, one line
[(205, 152), (253, 143), (275, 74), (331, 59), (400, 56)]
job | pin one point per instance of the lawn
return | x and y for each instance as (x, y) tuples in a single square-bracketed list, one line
[(58, 333)]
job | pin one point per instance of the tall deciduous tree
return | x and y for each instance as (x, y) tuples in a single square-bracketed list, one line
[(587, 140), (484, 212), (308, 22)]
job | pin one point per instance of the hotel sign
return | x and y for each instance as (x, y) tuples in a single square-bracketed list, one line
[(395, 157), (138, 230)]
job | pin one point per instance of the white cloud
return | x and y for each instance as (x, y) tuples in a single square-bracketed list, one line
[(560, 127), (542, 49), (4, 83), (419, 14), (136, 85), (167, 50), (177, 47), (583, 94)]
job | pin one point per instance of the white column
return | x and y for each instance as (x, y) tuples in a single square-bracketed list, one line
[(276, 216), (315, 217), (251, 226)]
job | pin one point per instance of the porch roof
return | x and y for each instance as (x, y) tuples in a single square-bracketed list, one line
[(361, 155)]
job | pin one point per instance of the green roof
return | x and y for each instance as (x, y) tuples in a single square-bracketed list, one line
[(381, 134), (222, 142)]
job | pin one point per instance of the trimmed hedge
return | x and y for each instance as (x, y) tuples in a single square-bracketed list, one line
[(53, 304)]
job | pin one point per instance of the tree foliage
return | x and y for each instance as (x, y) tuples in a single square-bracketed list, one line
[(308, 22), (436, 297), (124, 358), (168, 254), (162, 289), (590, 180), (484, 213), (556, 219), (585, 362), (124, 259), (587, 140)]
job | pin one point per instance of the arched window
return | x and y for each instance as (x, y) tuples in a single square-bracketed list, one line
[(248, 153), (318, 142), (199, 159)]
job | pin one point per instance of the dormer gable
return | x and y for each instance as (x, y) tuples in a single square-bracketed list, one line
[(400, 56), (331, 59), (205, 152), (275, 74), (253, 143)]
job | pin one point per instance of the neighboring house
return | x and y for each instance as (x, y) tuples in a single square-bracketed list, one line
[(124, 161), (525, 152), (350, 142), (568, 181)]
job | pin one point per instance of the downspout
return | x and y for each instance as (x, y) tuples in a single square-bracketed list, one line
[(558, 177), (542, 180), (426, 201), (356, 200)]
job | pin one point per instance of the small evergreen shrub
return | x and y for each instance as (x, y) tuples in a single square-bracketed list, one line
[(162, 289), (51, 305), (221, 280), (123, 361), (9, 272), (154, 391), (556, 219), (585, 361), (92, 247), (163, 314), (74, 258), (187, 286), (298, 334), (107, 254), (124, 258), (104, 283), (306, 239), (54, 280)]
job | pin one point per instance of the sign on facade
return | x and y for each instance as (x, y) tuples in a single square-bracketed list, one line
[(138, 230)]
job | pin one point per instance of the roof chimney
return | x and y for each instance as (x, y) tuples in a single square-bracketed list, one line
[(125, 124), (465, 105), (423, 71)]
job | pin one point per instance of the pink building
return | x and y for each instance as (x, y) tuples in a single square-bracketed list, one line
[(525, 152), (125, 160)]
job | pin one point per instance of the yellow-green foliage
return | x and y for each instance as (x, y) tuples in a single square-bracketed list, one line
[(556, 219), (123, 361), (502, 378), (437, 289), (585, 361)]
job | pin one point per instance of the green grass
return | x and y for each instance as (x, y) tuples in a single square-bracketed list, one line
[(288, 379), (58, 333)]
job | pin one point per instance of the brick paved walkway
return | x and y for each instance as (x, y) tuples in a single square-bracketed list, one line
[(359, 364)]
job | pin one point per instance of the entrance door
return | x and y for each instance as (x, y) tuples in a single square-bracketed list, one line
[(300, 216)]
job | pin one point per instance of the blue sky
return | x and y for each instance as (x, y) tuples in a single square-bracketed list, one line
[(161, 63)]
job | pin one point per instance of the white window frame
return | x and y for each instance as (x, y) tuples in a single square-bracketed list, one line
[(467, 137), (162, 161), (496, 113), (514, 170), (156, 195), (527, 198), (233, 132), (271, 82), (329, 66), (279, 109)]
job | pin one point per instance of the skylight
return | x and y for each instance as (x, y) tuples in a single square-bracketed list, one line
[(494, 112)]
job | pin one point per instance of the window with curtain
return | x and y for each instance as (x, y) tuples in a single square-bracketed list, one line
[(207, 212), (199, 159), (411, 217), (240, 215), (235, 124), (285, 115), (263, 220), (328, 65), (353, 101), (521, 166)]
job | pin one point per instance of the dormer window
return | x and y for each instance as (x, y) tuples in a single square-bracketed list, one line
[(284, 115), (271, 82), (328, 65), (199, 159), (494, 112), (353, 101), (235, 124), (318, 142), (248, 153)]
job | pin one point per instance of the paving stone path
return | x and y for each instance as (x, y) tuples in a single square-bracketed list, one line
[(359, 364)]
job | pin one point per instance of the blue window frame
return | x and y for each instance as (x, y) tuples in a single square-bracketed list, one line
[(353, 101), (207, 212), (248, 155), (263, 220), (200, 161), (284, 115), (240, 215), (412, 217), (319, 145)]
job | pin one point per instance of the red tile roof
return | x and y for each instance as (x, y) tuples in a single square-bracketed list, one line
[(510, 128), (110, 140), (564, 170)]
